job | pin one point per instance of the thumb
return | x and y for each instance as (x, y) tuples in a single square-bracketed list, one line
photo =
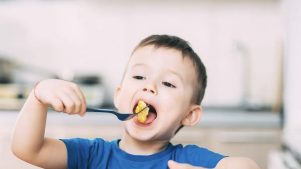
[(175, 165)]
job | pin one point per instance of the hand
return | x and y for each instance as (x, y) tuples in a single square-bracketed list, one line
[(61, 95), (175, 165)]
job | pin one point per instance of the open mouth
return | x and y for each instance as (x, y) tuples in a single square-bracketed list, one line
[(146, 112)]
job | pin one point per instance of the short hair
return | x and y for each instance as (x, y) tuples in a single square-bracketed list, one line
[(174, 42)]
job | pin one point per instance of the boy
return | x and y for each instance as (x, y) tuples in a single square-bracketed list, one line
[(166, 74)]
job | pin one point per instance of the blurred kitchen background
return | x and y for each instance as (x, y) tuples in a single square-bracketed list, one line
[(250, 48)]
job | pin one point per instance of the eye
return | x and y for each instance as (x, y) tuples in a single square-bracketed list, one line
[(167, 84), (139, 77)]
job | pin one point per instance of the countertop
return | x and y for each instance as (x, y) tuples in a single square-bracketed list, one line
[(211, 119), (250, 134)]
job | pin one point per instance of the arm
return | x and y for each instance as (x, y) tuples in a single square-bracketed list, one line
[(225, 163), (236, 163), (28, 141)]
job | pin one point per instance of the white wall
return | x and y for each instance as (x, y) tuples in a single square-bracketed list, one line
[(292, 90), (97, 36)]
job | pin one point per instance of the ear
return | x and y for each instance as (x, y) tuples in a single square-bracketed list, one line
[(116, 96), (193, 117)]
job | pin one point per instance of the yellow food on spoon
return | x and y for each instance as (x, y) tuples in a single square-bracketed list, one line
[(142, 111)]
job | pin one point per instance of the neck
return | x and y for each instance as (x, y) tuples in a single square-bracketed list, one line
[(140, 147)]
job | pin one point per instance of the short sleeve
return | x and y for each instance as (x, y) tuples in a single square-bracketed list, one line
[(199, 156), (79, 152)]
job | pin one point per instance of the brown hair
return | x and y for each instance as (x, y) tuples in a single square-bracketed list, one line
[(174, 42)]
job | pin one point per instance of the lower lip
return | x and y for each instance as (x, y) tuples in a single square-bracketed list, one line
[(136, 121)]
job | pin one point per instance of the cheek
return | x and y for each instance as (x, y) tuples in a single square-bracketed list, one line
[(188, 95), (173, 107), (176, 104), (126, 93), (177, 97)]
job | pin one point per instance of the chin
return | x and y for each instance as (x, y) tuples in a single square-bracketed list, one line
[(140, 134)]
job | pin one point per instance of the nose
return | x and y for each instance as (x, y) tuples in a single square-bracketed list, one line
[(149, 88)]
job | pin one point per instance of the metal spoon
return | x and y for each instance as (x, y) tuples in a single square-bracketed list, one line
[(120, 116)]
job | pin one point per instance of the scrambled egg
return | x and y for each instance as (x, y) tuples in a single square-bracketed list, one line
[(142, 115)]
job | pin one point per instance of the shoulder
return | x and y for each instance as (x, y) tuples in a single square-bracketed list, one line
[(236, 163), (83, 141), (191, 149), (84, 144), (198, 156)]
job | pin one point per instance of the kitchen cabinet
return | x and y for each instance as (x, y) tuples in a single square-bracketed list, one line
[(249, 142), (254, 143), (234, 140)]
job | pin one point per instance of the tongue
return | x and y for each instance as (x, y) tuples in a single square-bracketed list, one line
[(150, 118)]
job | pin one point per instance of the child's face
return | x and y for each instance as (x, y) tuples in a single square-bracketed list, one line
[(163, 79)]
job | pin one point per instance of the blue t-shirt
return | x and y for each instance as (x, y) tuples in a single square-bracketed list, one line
[(101, 154)]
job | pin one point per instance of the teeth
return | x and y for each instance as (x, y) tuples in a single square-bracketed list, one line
[(142, 111)]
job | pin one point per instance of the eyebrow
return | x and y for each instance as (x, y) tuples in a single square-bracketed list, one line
[(168, 70), (176, 74), (139, 64)]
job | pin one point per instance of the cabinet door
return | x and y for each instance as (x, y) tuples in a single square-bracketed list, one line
[(253, 143)]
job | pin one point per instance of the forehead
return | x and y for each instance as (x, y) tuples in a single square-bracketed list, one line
[(164, 59)]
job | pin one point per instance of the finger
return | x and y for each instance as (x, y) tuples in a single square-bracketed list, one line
[(68, 103), (175, 165), (76, 100), (81, 95), (57, 105)]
